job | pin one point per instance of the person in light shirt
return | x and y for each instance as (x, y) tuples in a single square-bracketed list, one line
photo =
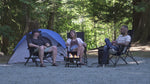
[(123, 40), (76, 45)]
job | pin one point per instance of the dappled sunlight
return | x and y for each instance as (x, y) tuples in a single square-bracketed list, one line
[(141, 61), (93, 52), (5, 65), (140, 48), (1, 54)]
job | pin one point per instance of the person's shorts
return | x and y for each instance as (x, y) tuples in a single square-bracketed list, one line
[(73, 47), (45, 50)]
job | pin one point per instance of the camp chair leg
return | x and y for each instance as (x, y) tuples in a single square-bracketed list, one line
[(34, 60), (48, 60), (67, 64), (77, 65), (134, 59), (124, 60), (131, 56), (110, 59), (126, 55), (27, 61), (36, 63), (85, 59), (116, 61)]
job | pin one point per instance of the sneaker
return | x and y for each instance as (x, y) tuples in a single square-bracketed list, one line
[(42, 65), (81, 63), (54, 64)]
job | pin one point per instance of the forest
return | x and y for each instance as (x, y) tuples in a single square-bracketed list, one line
[(98, 19)]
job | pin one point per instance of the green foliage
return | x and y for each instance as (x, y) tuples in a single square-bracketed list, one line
[(6, 31), (141, 7), (97, 18)]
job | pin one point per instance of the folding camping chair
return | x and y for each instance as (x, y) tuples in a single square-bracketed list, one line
[(34, 56), (124, 50), (79, 35)]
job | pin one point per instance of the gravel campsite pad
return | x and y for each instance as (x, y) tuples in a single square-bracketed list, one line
[(91, 74)]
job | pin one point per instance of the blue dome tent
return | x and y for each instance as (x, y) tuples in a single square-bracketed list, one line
[(21, 51)]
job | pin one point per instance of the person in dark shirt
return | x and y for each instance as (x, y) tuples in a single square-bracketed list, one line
[(41, 45)]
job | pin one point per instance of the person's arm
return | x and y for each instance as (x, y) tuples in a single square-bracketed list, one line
[(81, 43), (114, 42), (84, 44), (68, 42), (46, 42), (33, 45)]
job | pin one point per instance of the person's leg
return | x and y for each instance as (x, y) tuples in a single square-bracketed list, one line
[(53, 49), (80, 52), (115, 48), (54, 53), (41, 54), (108, 43), (105, 55)]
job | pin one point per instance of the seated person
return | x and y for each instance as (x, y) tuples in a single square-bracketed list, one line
[(76, 44), (42, 46), (123, 40)]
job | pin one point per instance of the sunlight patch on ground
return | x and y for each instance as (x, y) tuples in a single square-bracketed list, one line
[(1, 53), (92, 52), (140, 48), (135, 62), (143, 51), (5, 65)]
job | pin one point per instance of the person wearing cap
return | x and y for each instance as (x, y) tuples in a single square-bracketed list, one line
[(42, 46)]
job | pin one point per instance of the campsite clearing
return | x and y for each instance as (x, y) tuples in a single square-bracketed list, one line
[(124, 74), (91, 74)]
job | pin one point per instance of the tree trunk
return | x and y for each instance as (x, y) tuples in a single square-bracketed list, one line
[(5, 45), (51, 21), (27, 20), (115, 31), (136, 19), (141, 24), (95, 33), (51, 17)]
